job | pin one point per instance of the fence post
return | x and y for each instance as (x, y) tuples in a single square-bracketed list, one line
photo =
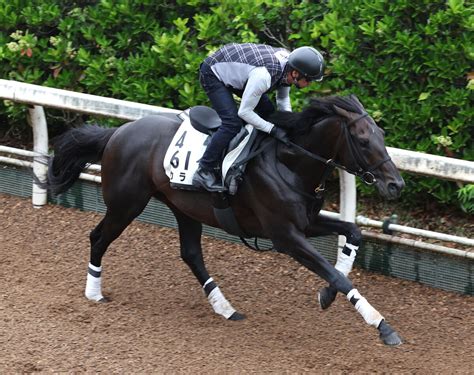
[(347, 201), (37, 120)]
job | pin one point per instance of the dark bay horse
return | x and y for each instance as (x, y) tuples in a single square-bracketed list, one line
[(331, 132)]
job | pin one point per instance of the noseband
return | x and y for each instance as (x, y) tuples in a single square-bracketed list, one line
[(362, 170)]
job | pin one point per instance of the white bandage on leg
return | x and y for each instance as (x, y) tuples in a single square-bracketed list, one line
[(94, 283), (344, 262), (220, 304), (371, 316)]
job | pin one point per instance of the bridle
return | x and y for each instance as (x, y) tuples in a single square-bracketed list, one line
[(362, 170)]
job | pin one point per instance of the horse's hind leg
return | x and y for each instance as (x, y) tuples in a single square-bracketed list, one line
[(191, 252), (94, 278), (117, 218)]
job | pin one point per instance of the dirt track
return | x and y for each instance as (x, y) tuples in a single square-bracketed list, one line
[(160, 322)]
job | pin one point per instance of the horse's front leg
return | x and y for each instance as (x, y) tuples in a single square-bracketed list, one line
[(294, 243), (346, 255)]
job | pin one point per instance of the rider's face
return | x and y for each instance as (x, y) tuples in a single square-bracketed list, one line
[(297, 79)]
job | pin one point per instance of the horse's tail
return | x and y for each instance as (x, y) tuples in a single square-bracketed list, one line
[(73, 150)]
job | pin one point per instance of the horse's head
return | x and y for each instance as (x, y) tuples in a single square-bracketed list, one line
[(362, 151)]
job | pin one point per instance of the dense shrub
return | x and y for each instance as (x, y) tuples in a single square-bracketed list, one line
[(408, 61)]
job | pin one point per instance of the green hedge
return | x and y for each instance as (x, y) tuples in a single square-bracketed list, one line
[(408, 61)]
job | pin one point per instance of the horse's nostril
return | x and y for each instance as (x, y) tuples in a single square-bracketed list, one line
[(395, 187)]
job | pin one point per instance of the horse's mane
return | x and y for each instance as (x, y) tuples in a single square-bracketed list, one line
[(318, 109)]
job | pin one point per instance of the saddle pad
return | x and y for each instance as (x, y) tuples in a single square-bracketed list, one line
[(187, 147), (183, 154)]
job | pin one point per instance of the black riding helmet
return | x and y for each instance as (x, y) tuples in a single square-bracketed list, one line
[(308, 61)]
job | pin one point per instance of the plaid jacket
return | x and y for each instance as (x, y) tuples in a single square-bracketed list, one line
[(249, 55)]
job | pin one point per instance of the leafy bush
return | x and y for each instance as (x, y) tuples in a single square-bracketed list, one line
[(408, 61), (466, 197)]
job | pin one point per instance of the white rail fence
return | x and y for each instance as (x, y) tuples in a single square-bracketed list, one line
[(414, 162)]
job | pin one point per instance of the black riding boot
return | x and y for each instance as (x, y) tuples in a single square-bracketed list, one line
[(207, 179)]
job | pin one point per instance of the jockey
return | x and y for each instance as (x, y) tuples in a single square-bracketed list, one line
[(250, 71)]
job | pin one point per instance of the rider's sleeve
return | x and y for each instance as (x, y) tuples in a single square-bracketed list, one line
[(259, 83), (283, 98)]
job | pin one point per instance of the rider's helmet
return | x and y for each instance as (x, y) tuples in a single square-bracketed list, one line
[(308, 61)]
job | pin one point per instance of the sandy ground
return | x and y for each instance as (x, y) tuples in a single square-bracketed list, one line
[(159, 320)]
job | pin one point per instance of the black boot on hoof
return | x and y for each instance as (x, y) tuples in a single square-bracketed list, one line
[(326, 297), (237, 316), (207, 179), (388, 335)]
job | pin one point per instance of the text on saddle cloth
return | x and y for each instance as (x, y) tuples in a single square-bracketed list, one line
[(186, 149)]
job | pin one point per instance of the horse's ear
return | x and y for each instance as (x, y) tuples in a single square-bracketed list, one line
[(341, 112)]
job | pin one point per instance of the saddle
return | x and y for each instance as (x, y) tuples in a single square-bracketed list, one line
[(206, 120)]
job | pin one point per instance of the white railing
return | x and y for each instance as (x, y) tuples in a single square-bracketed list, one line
[(410, 161)]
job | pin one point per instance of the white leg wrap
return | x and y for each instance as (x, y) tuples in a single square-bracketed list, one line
[(344, 262), (94, 284), (371, 316), (220, 304)]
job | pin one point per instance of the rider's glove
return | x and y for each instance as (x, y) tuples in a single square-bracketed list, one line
[(280, 134)]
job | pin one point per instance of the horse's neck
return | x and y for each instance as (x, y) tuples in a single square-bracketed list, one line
[(322, 140)]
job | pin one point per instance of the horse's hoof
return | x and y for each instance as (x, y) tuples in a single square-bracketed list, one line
[(101, 300), (392, 339), (236, 316), (326, 297), (388, 335)]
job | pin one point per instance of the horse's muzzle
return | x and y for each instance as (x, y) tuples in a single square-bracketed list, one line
[(394, 189)]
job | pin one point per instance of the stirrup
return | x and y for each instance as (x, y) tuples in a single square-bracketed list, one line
[(208, 182)]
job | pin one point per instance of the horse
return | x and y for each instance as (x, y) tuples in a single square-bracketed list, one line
[(332, 132)]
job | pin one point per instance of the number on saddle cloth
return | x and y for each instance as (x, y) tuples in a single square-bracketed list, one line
[(190, 141)]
